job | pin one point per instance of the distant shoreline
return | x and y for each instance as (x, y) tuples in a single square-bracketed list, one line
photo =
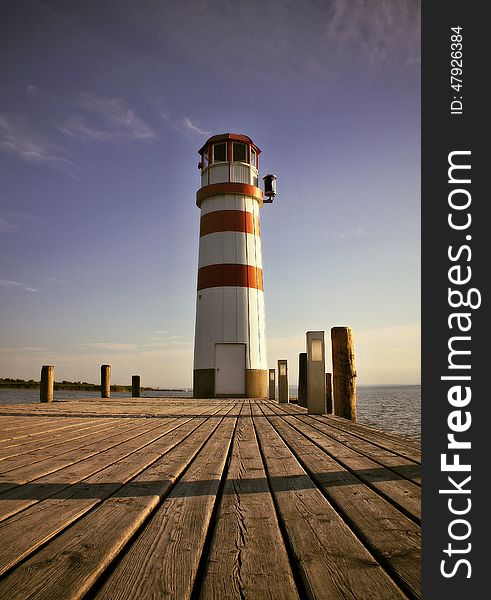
[(16, 384)]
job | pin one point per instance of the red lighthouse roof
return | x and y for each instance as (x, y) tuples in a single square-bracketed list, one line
[(223, 137)]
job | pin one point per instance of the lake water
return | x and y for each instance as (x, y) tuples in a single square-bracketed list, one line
[(11, 396), (395, 408), (391, 407)]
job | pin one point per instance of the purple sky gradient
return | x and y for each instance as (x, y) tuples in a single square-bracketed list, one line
[(103, 107)]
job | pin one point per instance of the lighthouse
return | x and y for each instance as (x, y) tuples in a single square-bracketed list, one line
[(230, 334)]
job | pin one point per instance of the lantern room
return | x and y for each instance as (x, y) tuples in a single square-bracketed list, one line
[(229, 157)]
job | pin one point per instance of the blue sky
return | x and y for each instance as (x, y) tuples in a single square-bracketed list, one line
[(103, 107)]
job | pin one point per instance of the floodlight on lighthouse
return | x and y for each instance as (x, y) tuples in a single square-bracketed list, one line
[(269, 187)]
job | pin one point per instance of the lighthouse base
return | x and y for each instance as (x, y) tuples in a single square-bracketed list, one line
[(256, 384)]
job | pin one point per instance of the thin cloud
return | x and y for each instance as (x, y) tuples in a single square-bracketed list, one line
[(189, 126), (380, 31), (7, 283), (76, 127), (35, 92), (111, 346), (106, 120), (183, 125), (32, 90), (23, 349), (345, 235), (6, 227), (154, 345), (13, 221), (316, 38), (17, 139)]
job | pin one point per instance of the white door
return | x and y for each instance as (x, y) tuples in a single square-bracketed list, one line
[(230, 368)]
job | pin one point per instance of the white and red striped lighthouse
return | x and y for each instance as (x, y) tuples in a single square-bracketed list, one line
[(230, 336)]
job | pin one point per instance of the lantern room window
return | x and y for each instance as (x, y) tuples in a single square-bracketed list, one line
[(253, 158), (219, 152), (204, 159), (239, 152)]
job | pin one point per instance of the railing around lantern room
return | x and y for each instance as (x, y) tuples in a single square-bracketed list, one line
[(215, 168)]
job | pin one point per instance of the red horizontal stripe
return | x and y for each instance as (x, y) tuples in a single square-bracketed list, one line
[(229, 220), (218, 189), (230, 275)]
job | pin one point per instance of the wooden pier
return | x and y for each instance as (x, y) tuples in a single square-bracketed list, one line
[(142, 498)]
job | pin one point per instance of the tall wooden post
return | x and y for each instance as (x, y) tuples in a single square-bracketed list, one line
[(135, 386), (316, 373), (272, 384), (302, 379), (47, 383), (105, 381), (283, 392), (343, 372), (329, 393)]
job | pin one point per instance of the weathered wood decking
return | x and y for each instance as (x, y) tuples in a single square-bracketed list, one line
[(173, 498)]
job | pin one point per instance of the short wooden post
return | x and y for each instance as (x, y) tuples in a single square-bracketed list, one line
[(343, 372), (135, 386), (302, 379), (272, 384), (329, 393), (283, 392), (105, 381), (316, 373), (47, 383)]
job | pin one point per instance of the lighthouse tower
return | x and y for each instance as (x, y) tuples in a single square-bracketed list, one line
[(230, 335)]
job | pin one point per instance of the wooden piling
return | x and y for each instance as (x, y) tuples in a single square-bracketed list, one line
[(329, 393), (47, 383), (302, 379), (343, 372), (135, 386), (272, 384), (105, 381)]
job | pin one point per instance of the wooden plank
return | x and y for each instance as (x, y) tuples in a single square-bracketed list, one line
[(404, 446), (8, 424), (127, 440), (27, 429), (391, 536), (372, 430), (404, 494), (44, 461), (372, 433), (108, 409), (404, 467), (164, 559), (31, 465), (41, 522), (248, 558), (112, 448), (51, 439), (390, 441), (120, 407), (332, 561), (120, 503), (397, 443), (94, 541)]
